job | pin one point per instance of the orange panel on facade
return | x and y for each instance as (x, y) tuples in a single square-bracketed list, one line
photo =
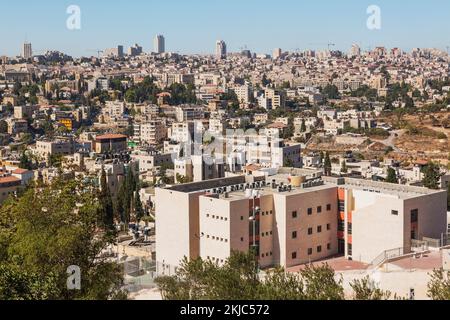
[(341, 194), (349, 239)]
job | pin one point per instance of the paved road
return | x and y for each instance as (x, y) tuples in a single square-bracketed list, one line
[(390, 142)]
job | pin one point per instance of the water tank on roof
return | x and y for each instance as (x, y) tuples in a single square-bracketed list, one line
[(296, 181)]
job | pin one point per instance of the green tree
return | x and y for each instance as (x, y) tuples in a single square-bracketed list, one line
[(303, 126), (432, 175), (331, 92), (344, 168), (366, 289), (138, 210), (19, 284), (25, 162), (327, 164), (238, 279), (391, 176), (105, 208), (439, 285), (48, 229), (448, 198)]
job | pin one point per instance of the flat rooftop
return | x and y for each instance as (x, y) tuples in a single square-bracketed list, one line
[(400, 191), (315, 183)]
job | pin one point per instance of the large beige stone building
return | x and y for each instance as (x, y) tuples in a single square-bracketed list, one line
[(298, 219)]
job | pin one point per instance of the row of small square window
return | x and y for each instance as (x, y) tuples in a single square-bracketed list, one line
[(215, 238), (310, 211), (311, 230), (269, 254), (266, 234), (217, 217), (310, 251)]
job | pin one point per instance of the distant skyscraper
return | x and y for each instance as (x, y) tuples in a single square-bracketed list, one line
[(159, 44), (135, 50), (27, 52), (276, 53), (114, 52), (221, 49), (355, 51)]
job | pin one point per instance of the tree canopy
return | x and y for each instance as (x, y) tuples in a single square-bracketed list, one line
[(48, 229)]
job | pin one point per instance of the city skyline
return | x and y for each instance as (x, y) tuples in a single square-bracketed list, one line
[(190, 31)]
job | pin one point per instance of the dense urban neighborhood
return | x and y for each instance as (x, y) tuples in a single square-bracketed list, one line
[(144, 168)]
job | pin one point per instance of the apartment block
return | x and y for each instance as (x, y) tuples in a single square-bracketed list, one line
[(292, 218)]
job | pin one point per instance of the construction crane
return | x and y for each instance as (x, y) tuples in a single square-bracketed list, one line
[(96, 50), (329, 45)]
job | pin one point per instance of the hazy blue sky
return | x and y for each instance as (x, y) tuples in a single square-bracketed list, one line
[(193, 26)]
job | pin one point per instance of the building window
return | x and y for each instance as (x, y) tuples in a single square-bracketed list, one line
[(328, 207), (341, 206), (394, 212), (328, 227), (329, 246), (414, 215), (294, 235), (341, 225), (242, 218), (294, 214), (294, 255), (350, 247), (310, 231), (310, 251), (242, 239), (310, 211), (319, 229), (319, 209), (319, 249), (349, 227)]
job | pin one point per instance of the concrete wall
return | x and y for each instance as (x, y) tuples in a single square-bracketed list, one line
[(374, 227), (432, 214), (285, 225), (176, 226)]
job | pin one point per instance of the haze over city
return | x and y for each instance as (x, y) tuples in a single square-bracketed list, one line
[(193, 26)]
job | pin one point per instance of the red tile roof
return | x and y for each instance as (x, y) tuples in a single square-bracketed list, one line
[(9, 179), (20, 171)]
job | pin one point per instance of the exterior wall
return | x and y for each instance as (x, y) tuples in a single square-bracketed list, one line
[(303, 242), (6, 191), (46, 148), (267, 232), (279, 245), (432, 214), (110, 145), (215, 229), (172, 227), (374, 227)]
